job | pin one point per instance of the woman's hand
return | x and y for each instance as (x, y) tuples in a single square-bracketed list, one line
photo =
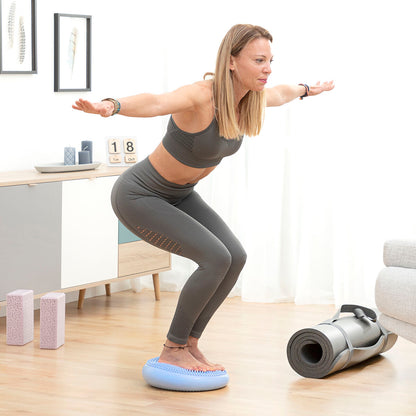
[(318, 88), (103, 108), (283, 94)]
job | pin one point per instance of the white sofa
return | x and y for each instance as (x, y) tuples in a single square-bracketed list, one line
[(395, 291)]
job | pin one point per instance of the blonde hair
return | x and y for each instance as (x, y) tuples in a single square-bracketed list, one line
[(252, 105)]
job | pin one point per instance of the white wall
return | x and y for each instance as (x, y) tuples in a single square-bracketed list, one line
[(154, 46), (36, 123), (136, 46)]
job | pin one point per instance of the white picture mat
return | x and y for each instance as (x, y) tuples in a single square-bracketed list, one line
[(72, 52), (10, 35)]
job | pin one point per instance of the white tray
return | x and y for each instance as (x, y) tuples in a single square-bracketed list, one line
[(60, 167)]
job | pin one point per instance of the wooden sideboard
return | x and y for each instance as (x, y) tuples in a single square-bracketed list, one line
[(58, 232)]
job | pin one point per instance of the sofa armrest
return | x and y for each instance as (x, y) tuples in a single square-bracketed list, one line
[(395, 293), (400, 253)]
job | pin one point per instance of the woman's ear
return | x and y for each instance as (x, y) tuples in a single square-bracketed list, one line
[(231, 66)]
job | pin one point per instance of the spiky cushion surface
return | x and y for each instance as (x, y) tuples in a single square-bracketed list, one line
[(171, 377)]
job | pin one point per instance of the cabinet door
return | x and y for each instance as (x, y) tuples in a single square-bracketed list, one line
[(30, 238), (89, 232)]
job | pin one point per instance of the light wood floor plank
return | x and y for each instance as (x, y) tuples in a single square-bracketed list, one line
[(98, 370)]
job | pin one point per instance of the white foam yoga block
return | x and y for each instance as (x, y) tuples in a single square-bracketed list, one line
[(19, 317), (52, 320), (171, 377)]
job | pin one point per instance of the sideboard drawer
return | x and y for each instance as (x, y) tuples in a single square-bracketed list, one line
[(139, 257)]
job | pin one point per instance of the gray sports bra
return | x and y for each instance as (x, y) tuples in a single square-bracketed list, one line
[(199, 150)]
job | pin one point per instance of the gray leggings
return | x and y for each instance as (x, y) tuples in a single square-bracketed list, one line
[(175, 218)]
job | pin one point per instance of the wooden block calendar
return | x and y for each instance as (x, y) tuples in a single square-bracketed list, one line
[(121, 151)]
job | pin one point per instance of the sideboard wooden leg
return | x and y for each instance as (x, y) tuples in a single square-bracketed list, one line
[(81, 297), (156, 285), (108, 289)]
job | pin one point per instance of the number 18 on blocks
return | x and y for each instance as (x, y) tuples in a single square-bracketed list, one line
[(121, 151)]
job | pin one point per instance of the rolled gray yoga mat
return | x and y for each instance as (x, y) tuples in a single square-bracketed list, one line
[(338, 343)]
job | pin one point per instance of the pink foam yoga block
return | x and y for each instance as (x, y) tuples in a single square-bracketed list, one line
[(52, 320), (19, 317)]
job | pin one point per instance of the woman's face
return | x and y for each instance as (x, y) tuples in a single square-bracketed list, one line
[(251, 67)]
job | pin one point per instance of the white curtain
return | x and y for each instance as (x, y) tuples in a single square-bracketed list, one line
[(330, 178)]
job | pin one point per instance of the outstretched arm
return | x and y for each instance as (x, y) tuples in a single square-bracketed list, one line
[(282, 94), (148, 105)]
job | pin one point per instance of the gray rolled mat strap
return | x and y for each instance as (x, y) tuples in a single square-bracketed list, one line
[(338, 343)]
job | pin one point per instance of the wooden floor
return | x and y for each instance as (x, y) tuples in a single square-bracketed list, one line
[(98, 370)]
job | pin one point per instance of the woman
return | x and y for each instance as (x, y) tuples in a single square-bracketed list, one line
[(155, 198)]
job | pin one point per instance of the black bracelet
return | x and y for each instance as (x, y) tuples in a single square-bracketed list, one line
[(116, 104), (306, 86)]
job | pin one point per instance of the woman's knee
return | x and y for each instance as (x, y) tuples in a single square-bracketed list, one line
[(238, 256), (218, 259)]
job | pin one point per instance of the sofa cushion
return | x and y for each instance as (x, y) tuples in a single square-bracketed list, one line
[(395, 293), (400, 253)]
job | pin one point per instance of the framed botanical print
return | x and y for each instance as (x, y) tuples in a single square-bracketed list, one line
[(18, 37), (72, 61)]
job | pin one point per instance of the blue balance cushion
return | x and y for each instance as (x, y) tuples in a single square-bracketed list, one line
[(172, 377)]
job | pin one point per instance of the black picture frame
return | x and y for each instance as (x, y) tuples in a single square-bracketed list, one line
[(18, 37), (72, 48)]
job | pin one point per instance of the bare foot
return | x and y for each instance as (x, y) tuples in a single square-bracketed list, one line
[(181, 357), (196, 352)]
